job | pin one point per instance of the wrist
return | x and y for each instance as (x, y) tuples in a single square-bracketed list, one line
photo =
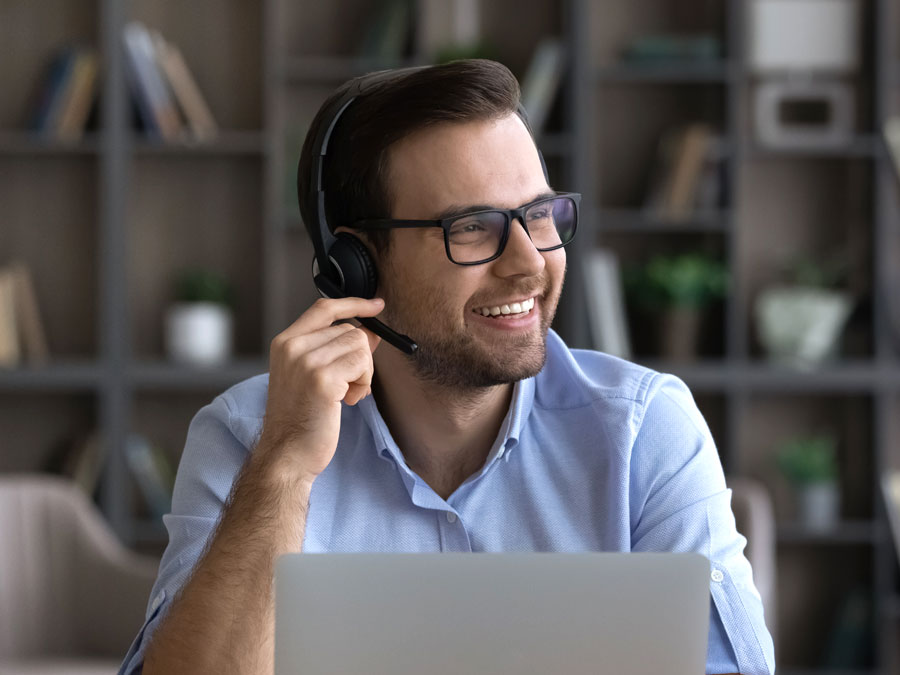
[(278, 467)]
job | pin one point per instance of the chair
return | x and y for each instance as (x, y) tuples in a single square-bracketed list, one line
[(72, 597), (754, 515)]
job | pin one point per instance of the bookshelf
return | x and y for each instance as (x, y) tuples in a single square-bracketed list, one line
[(105, 223)]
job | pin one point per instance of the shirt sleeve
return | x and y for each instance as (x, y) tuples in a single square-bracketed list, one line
[(213, 457), (679, 502)]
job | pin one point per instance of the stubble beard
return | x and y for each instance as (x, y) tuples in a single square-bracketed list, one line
[(451, 356)]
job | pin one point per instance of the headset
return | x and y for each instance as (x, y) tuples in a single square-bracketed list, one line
[(342, 266)]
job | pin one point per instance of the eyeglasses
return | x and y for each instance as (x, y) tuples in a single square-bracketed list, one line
[(480, 236)]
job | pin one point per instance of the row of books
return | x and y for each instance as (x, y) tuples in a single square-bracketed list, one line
[(170, 105), (67, 95), (82, 459), (22, 336), (688, 174), (169, 102)]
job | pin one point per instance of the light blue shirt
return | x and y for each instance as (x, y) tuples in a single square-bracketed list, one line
[(595, 454)]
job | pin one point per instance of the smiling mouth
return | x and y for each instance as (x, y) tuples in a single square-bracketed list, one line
[(513, 310)]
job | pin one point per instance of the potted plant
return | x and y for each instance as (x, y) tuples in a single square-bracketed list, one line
[(199, 323), (677, 290), (810, 464), (800, 323)]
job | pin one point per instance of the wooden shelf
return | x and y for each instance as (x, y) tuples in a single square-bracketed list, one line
[(848, 532), (333, 69), (62, 376), (862, 147), (165, 375), (719, 72), (226, 143), (860, 377), (622, 221), (25, 143)]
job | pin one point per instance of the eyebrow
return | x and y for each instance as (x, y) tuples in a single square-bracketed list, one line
[(457, 210)]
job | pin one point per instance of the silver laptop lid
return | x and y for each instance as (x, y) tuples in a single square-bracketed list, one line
[(523, 613)]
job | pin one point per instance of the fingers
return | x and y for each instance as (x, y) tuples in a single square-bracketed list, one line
[(326, 311), (343, 366), (318, 338)]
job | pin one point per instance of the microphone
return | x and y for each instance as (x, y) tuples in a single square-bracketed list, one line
[(329, 289)]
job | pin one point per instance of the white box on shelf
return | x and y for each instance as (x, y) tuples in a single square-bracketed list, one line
[(804, 35)]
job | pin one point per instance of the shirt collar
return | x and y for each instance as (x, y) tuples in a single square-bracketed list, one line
[(507, 438)]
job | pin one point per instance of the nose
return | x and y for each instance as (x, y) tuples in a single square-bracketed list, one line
[(519, 257)]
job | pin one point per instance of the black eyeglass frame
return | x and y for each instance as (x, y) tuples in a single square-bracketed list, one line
[(444, 224)]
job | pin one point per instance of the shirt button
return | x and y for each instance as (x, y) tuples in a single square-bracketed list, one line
[(451, 517), (717, 576)]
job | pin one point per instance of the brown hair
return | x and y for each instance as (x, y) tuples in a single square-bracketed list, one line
[(356, 167)]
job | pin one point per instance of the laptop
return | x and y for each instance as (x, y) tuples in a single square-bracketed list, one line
[(488, 613)]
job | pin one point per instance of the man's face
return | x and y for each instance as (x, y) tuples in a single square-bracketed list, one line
[(433, 300)]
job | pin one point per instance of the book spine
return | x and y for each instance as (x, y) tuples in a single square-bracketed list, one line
[(155, 104), (185, 90), (10, 354), (74, 118), (30, 327), (55, 93), (146, 471)]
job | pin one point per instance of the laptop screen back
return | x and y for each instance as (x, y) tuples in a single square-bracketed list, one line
[(523, 613)]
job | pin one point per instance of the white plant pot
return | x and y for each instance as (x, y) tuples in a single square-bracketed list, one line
[(820, 506), (199, 333), (801, 326)]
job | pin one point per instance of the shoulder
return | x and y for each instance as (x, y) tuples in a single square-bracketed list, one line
[(574, 378), (583, 378), (248, 397)]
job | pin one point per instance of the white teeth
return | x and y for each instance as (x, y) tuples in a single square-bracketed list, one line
[(514, 308)]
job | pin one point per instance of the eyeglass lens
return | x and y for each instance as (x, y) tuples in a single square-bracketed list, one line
[(477, 237)]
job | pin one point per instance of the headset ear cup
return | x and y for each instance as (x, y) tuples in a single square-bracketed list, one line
[(356, 266)]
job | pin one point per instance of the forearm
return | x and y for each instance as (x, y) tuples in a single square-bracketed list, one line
[(224, 618)]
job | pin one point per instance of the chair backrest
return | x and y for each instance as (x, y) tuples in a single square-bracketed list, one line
[(755, 519), (57, 563)]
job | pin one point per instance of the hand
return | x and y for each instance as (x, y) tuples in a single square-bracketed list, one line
[(313, 366)]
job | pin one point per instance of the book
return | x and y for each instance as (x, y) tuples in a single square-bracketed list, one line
[(541, 81), (76, 109), (712, 182), (157, 109), (606, 304), (676, 178), (52, 91), (79, 458), (891, 134), (187, 94), (890, 487), (10, 353), (152, 473), (30, 334), (682, 186)]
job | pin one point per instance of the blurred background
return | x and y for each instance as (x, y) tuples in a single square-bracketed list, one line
[(739, 228)]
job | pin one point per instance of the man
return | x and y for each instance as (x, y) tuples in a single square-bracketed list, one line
[(493, 436)]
